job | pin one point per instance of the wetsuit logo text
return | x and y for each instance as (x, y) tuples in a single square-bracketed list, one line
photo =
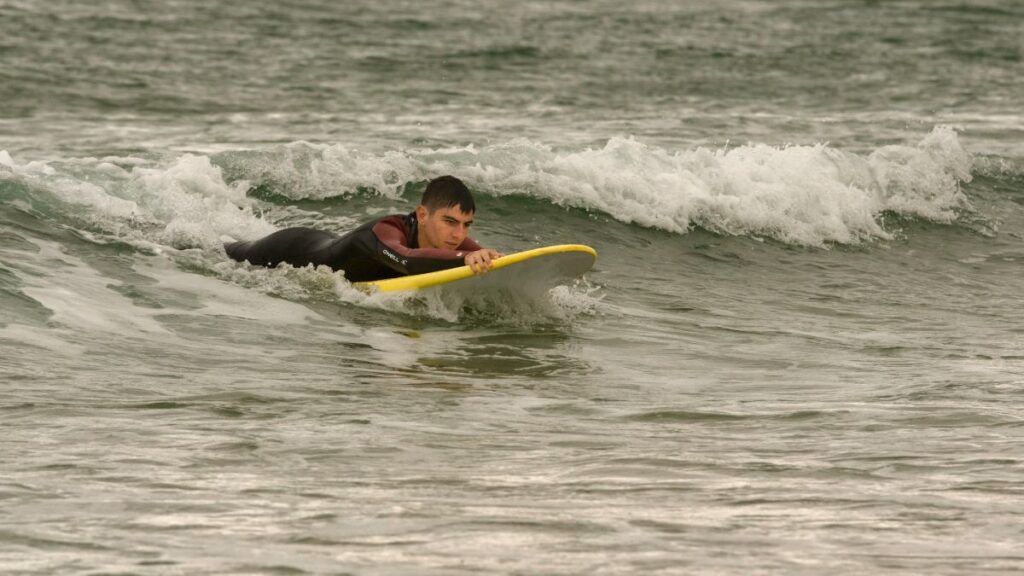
[(393, 257)]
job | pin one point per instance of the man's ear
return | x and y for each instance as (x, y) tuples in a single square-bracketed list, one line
[(421, 213)]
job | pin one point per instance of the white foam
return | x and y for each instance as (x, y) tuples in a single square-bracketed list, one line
[(924, 180), (40, 337), (563, 303), (219, 298), (8, 164), (807, 195), (303, 170), (79, 297), (194, 203), (187, 204), (575, 300), (810, 195), (455, 304)]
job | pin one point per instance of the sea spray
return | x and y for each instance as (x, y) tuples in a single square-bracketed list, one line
[(801, 195), (809, 195), (186, 204)]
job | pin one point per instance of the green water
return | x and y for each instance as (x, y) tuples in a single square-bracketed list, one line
[(800, 350)]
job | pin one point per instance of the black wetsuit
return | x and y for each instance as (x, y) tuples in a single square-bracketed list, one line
[(384, 248)]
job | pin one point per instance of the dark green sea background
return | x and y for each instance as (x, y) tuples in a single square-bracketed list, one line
[(800, 352)]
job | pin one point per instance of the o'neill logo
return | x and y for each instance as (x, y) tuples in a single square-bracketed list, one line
[(393, 257)]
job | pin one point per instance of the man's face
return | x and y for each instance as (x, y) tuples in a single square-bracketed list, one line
[(444, 227)]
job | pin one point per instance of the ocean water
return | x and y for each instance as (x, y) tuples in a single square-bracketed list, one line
[(801, 350)]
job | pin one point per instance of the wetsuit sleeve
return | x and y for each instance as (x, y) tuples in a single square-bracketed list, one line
[(469, 245), (393, 251)]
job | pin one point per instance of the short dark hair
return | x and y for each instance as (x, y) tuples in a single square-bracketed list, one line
[(448, 191)]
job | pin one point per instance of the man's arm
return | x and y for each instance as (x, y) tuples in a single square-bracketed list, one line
[(392, 251)]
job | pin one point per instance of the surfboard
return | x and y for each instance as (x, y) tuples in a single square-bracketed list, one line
[(540, 268)]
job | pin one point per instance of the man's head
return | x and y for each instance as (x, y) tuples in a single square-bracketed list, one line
[(445, 213)]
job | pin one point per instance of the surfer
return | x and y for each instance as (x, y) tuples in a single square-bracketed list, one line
[(433, 237)]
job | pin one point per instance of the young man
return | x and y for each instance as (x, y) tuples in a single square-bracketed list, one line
[(434, 237)]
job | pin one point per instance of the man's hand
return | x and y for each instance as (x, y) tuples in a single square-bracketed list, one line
[(481, 260)]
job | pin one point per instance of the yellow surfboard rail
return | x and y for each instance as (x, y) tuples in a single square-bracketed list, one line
[(418, 281)]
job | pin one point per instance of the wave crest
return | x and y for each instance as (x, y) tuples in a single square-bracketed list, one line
[(806, 195)]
